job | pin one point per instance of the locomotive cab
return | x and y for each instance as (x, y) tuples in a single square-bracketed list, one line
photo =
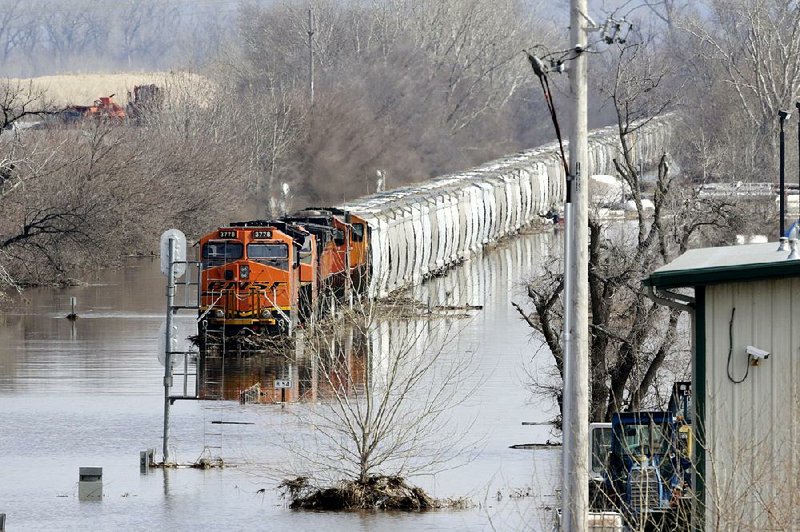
[(250, 278), (270, 276)]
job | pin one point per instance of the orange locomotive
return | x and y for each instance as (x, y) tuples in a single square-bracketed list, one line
[(251, 276), (268, 277), (342, 248)]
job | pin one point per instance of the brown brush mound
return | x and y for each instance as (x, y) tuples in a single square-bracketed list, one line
[(378, 493)]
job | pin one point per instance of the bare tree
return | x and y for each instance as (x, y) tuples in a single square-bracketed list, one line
[(148, 30), (387, 387), (75, 31), (631, 336), (756, 44), (12, 14), (473, 48), (21, 32), (745, 53), (20, 100), (667, 11), (415, 89), (71, 195), (45, 37), (269, 121)]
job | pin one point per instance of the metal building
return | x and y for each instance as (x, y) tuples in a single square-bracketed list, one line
[(746, 374)]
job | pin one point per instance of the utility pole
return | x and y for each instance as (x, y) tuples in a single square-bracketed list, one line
[(575, 491), (311, 56)]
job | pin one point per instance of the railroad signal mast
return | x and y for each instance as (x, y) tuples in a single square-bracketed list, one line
[(174, 265)]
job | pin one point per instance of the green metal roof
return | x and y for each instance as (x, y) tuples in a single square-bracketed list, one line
[(704, 266)]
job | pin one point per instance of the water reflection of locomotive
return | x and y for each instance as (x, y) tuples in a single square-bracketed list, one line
[(270, 276)]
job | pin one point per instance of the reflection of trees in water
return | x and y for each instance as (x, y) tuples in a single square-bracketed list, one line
[(227, 374), (338, 360), (342, 356), (385, 384)]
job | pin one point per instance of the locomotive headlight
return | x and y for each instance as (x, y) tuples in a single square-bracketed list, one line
[(244, 271), (265, 313), (219, 313)]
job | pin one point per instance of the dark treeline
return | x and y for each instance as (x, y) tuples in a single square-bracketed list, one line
[(41, 37), (410, 89)]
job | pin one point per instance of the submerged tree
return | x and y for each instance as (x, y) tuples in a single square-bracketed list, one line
[(78, 196), (387, 387), (18, 102), (630, 335)]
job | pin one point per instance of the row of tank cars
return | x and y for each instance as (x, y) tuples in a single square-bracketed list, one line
[(271, 275), (423, 229)]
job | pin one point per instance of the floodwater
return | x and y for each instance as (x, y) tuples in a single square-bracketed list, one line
[(90, 393)]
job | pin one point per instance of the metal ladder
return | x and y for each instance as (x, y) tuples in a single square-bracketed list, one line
[(189, 288)]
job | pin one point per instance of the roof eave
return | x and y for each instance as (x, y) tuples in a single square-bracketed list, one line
[(723, 274)]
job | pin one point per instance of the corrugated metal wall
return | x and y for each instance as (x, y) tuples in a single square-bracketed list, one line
[(423, 229), (752, 481)]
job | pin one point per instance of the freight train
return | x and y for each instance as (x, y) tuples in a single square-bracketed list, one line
[(270, 276)]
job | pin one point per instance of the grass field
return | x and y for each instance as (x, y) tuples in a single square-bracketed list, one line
[(83, 89)]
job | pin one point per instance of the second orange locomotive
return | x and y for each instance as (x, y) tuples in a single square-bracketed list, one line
[(268, 277)]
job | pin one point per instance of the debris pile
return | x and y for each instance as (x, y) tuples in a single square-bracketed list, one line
[(378, 493)]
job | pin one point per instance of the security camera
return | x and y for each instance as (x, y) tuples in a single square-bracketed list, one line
[(756, 353), (784, 114)]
